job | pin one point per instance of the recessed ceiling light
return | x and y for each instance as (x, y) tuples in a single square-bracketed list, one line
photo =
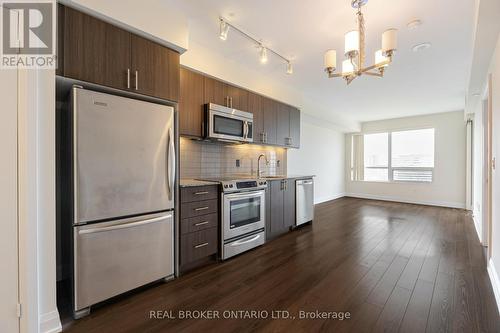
[(414, 24), (421, 47)]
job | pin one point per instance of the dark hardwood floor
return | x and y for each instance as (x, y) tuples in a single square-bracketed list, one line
[(394, 267)]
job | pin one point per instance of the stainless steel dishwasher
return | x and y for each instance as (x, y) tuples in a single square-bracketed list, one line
[(304, 204)]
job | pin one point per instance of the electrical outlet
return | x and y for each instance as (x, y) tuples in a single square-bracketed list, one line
[(278, 162), (238, 163)]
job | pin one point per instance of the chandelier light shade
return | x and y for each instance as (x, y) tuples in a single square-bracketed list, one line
[(351, 43), (354, 51), (389, 40), (331, 59), (347, 67), (381, 58)]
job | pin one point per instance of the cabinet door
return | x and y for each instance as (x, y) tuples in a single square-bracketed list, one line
[(289, 204), (191, 103), (238, 97), (95, 51), (283, 125), (215, 92), (155, 69), (255, 107), (277, 218), (294, 127), (270, 109), (268, 211)]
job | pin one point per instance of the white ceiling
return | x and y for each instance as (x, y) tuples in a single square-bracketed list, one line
[(430, 81)]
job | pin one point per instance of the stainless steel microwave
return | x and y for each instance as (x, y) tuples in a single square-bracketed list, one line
[(227, 124)]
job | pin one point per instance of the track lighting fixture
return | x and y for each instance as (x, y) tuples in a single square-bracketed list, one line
[(224, 29), (263, 55)]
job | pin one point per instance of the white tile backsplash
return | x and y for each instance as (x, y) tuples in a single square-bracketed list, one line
[(199, 159)]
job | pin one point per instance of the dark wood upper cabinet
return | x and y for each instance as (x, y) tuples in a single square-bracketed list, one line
[(95, 51), (238, 98), (283, 125), (255, 107), (92, 50), (274, 123), (155, 69), (294, 127), (191, 103), (215, 91), (270, 109)]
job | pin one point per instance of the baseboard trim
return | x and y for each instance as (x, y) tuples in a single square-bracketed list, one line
[(397, 199), (329, 198), (477, 226), (495, 282), (50, 322)]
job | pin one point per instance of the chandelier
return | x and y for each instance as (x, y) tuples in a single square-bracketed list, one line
[(354, 50)]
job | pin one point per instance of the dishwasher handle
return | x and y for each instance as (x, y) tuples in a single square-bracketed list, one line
[(305, 182)]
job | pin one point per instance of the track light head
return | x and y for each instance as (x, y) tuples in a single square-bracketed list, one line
[(289, 68), (223, 29), (263, 55)]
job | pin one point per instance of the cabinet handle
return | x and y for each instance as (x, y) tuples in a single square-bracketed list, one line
[(201, 223), (136, 80), (200, 245), (201, 208), (231, 102), (128, 78), (201, 193)]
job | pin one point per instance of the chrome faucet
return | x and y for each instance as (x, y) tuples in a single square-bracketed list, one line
[(260, 172)]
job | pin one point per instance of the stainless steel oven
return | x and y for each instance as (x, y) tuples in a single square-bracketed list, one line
[(243, 215), (227, 124), (243, 212)]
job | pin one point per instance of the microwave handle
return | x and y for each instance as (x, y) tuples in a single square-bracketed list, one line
[(245, 129)]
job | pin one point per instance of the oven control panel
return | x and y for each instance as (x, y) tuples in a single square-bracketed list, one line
[(243, 185)]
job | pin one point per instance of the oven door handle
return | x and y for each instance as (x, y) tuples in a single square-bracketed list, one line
[(244, 195), (245, 241)]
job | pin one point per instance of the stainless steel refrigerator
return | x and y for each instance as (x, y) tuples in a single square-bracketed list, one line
[(123, 200)]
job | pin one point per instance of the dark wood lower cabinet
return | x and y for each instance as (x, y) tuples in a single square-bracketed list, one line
[(280, 207), (199, 225), (197, 245)]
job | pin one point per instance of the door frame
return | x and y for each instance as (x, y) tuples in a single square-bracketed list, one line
[(489, 163)]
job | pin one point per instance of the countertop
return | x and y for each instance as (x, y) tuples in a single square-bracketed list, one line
[(279, 177), (188, 182)]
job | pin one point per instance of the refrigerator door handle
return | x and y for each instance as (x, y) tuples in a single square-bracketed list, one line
[(171, 164), (124, 225)]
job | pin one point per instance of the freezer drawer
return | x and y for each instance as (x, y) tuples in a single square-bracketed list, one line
[(114, 257), (304, 204)]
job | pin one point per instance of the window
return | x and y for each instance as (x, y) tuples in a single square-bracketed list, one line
[(403, 156), (376, 157), (412, 157)]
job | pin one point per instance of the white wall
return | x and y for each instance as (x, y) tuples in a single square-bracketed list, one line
[(36, 186), (478, 173), (321, 153), (495, 239), (448, 185), (8, 202)]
